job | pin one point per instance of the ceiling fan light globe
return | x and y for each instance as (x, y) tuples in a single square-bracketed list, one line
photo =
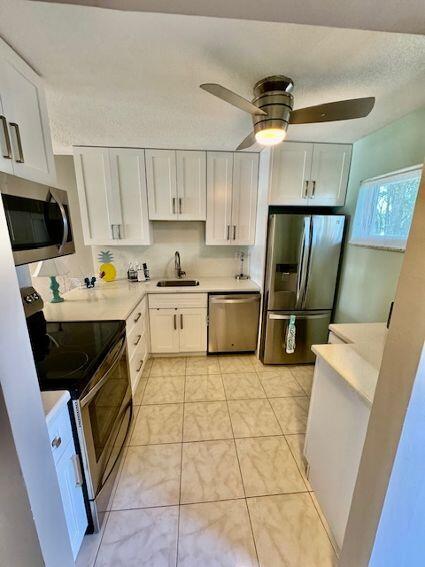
[(270, 136)]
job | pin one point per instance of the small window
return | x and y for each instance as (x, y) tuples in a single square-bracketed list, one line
[(384, 210)]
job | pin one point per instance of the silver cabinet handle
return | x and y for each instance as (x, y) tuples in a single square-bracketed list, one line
[(56, 442), (137, 317), (175, 322), (7, 152), (174, 205), (140, 366), (77, 470), (138, 340), (313, 191), (305, 194), (18, 142), (180, 205), (116, 231), (228, 232), (234, 232), (55, 196), (181, 321)]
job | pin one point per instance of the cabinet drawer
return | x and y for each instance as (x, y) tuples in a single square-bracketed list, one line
[(138, 313), (138, 360), (136, 335), (60, 433), (177, 300)]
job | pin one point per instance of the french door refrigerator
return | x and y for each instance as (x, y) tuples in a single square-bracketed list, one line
[(303, 252)]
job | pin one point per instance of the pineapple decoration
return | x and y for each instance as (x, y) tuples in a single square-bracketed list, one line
[(107, 270)]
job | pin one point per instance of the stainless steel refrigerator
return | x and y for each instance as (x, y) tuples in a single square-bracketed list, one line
[(303, 252)]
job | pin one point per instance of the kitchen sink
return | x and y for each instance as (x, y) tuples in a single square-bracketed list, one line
[(177, 283)]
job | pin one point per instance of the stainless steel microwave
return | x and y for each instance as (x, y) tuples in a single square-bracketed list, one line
[(38, 220)]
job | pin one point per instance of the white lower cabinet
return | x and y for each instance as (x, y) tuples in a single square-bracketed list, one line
[(69, 473), (178, 323)]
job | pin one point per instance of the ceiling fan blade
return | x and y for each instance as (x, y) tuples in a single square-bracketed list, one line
[(247, 142), (341, 110), (232, 98)]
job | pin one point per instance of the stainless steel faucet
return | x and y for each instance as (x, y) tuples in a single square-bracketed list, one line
[(179, 272)]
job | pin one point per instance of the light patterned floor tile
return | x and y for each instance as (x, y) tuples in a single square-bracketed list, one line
[(150, 477), (280, 384), (198, 365), (235, 364), (210, 471), (268, 466), (242, 386), (164, 390), (296, 444), (206, 420), (287, 531), (172, 366), (304, 376), (252, 418), (147, 368), (216, 534), (158, 424), (90, 546), (291, 413), (200, 388), (140, 538)]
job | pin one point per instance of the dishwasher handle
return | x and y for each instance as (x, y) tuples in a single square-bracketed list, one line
[(225, 299)]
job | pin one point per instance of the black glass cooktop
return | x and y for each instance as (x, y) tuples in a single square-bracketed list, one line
[(67, 354)]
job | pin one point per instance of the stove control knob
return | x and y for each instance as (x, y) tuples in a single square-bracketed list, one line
[(29, 298)]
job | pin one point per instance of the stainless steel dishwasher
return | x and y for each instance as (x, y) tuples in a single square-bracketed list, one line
[(233, 322)]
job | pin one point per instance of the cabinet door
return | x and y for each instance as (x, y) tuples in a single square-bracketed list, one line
[(94, 185), (219, 197), (164, 330), (290, 173), (191, 185), (329, 174), (6, 163), (193, 329), (72, 497), (161, 177), (25, 109), (129, 189), (244, 198)]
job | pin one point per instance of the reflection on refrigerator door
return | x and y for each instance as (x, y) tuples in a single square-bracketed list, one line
[(310, 328)]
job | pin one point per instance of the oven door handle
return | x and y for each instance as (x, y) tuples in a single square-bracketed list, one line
[(56, 198), (91, 394)]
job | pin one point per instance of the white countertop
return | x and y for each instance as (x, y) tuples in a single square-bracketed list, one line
[(357, 362), (53, 402), (116, 300)]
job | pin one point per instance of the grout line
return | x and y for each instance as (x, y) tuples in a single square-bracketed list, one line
[(327, 529)]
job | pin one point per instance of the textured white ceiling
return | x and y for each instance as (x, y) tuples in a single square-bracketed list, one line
[(131, 79)]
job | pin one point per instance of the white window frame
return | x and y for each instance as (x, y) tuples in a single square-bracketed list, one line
[(373, 241)]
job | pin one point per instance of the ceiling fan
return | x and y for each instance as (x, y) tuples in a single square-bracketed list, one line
[(271, 109)]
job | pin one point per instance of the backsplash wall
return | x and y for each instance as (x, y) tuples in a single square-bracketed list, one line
[(188, 238)]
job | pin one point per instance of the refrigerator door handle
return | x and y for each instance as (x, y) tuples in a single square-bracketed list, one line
[(309, 316), (303, 263)]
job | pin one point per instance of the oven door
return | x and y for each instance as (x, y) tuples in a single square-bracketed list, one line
[(38, 221), (106, 412)]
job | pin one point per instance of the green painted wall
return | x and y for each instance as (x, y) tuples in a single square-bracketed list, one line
[(369, 277)]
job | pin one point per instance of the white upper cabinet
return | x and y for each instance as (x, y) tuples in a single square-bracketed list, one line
[(191, 185), (329, 174), (162, 184), (219, 197), (290, 173), (112, 195), (176, 183), (244, 198), (26, 146), (232, 186), (307, 174)]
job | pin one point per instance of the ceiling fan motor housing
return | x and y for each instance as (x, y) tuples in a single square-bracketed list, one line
[(273, 95)]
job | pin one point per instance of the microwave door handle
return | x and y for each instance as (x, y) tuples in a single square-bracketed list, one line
[(91, 394), (56, 198)]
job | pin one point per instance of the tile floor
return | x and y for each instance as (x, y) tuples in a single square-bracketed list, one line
[(212, 474)]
